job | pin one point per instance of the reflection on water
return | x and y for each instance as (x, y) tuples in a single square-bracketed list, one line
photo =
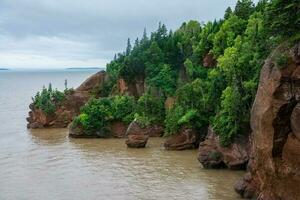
[(48, 136), (46, 164)]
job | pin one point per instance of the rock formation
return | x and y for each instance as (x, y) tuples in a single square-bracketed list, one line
[(213, 155), (70, 107), (136, 88), (274, 167), (209, 61), (186, 139), (137, 136)]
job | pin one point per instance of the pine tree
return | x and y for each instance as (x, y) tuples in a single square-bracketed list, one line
[(136, 42), (145, 37), (128, 48), (283, 17), (244, 8), (228, 12)]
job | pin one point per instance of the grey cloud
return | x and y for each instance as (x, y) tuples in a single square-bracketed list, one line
[(90, 29)]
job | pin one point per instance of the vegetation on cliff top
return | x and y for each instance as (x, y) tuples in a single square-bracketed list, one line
[(211, 69), (48, 99)]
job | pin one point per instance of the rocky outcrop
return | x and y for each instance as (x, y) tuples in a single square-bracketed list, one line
[(186, 139), (136, 88), (275, 161), (118, 129), (69, 108), (209, 61), (169, 103), (137, 136), (213, 155)]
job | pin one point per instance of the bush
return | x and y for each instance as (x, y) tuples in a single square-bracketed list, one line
[(172, 118), (150, 109), (48, 99), (97, 114), (123, 108)]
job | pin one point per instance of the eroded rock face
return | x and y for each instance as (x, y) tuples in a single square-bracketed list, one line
[(65, 113), (136, 88), (275, 162), (209, 61), (137, 136), (213, 155), (118, 129), (186, 139)]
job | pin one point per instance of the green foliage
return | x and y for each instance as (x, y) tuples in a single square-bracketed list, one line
[(229, 30), (227, 121), (150, 109), (48, 99), (244, 8), (188, 117), (97, 114), (123, 108), (283, 17), (172, 117), (170, 64)]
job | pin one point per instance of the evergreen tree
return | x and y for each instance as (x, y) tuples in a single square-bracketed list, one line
[(244, 8), (228, 12), (283, 17), (128, 48), (145, 37)]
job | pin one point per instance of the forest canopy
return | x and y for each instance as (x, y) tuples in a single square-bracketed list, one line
[(211, 70)]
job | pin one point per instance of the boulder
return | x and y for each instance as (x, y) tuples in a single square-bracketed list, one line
[(274, 164), (246, 186), (137, 141), (96, 80), (213, 155), (186, 139), (137, 136)]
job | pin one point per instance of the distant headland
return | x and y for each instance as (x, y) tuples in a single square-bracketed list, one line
[(83, 68), (4, 69)]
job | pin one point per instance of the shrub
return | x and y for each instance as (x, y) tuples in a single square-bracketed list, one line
[(48, 99), (172, 118), (123, 108), (150, 109), (97, 114)]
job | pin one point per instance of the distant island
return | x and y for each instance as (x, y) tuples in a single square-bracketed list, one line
[(80, 68), (4, 69)]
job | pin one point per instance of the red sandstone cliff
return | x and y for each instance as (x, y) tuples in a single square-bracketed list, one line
[(274, 167)]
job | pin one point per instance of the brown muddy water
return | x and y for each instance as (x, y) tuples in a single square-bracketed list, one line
[(47, 165)]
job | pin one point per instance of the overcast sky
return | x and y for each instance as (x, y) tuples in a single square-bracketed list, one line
[(87, 33)]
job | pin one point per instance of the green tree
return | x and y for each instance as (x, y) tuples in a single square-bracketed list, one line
[(283, 17), (128, 48), (229, 30), (244, 8), (228, 12)]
